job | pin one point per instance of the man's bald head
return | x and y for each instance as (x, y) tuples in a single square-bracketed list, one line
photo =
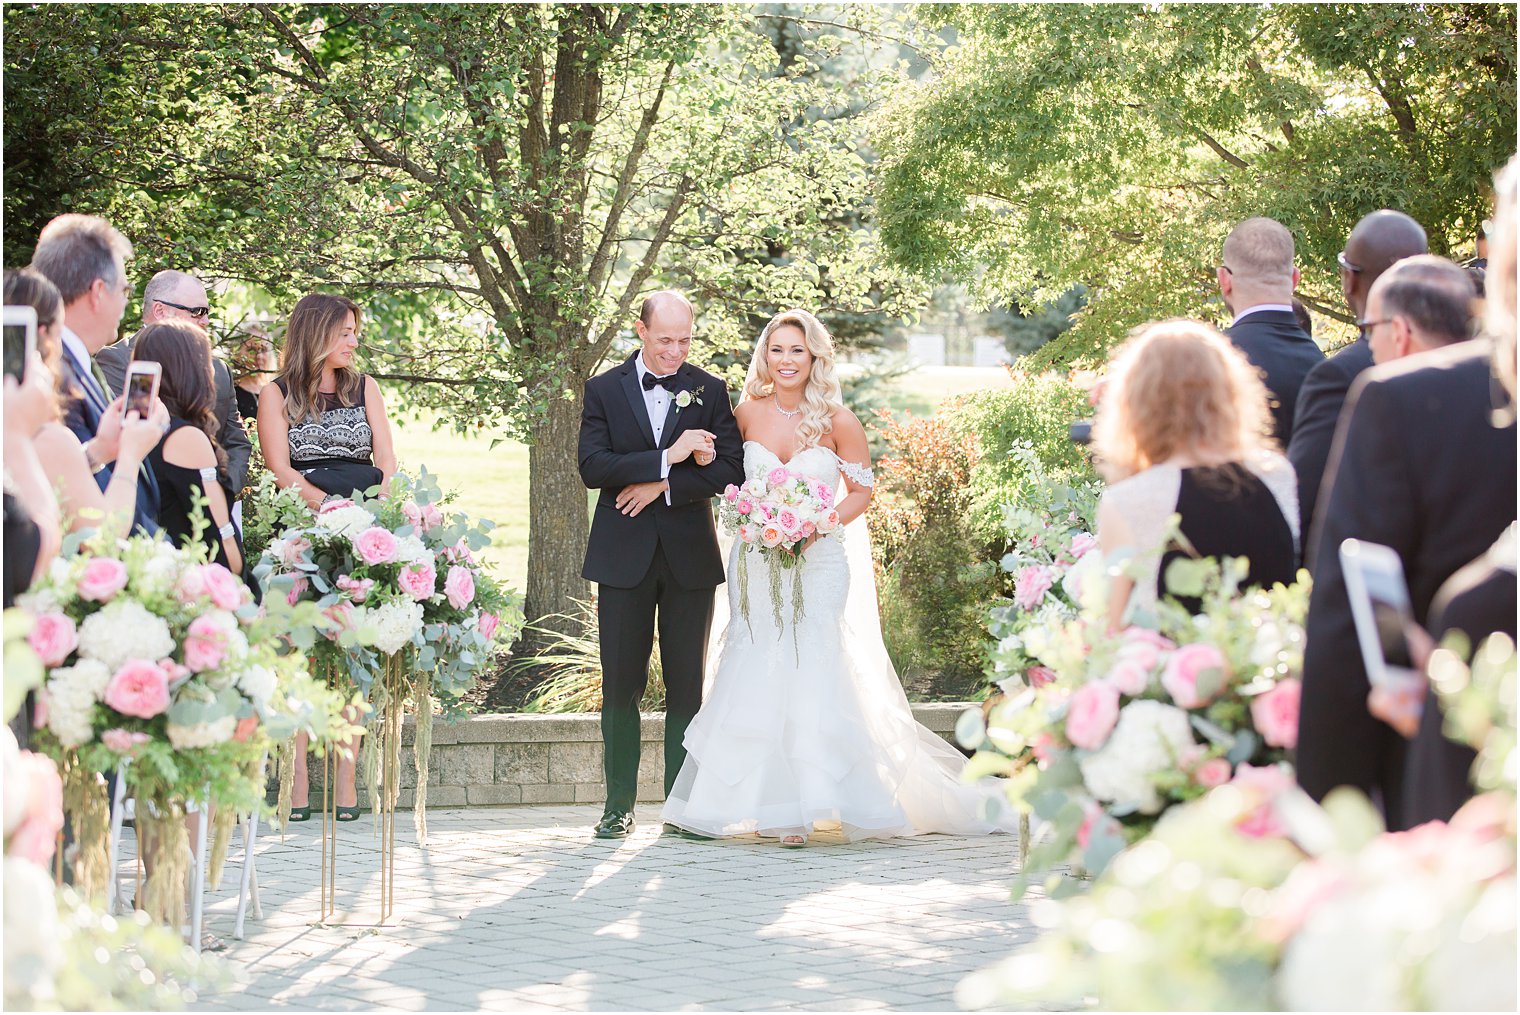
[(1375, 244), (1257, 265), (666, 301), (168, 292)]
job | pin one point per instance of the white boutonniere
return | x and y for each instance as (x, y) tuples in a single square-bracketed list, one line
[(685, 398)]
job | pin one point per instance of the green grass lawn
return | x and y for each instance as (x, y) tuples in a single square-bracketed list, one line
[(493, 483)]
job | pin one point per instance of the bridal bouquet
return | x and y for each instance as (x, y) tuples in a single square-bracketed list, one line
[(1137, 721), (775, 515), (154, 657)]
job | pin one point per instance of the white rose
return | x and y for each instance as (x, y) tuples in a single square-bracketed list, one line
[(124, 629), (1149, 737)]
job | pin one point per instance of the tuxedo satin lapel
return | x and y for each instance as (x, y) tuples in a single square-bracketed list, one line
[(672, 417), (636, 400)]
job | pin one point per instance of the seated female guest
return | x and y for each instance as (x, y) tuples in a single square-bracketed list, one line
[(323, 431), (1181, 429), (190, 465), (81, 503)]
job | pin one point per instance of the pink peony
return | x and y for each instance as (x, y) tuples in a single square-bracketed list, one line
[(376, 545), (1039, 676), (459, 586), (103, 577), (730, 493), (487, 625), (205, 644), (412, 512), (297, 590), (1275, 714), (778, 476), (224, 587), (357, 589), (1129, 677), (1264, 783), (1031, 584), (789, 521), (35, 837), (335, 505), (1080, 544), (53, 637), (419, 581), (1144, 647), (123, 741), (292, 550), (1091, 714), (1214, 772), (1189, 665), (139, 689)]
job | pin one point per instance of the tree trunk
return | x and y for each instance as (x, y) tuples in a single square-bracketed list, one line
[(557, 519)]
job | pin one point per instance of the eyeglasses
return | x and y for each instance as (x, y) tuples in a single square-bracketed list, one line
[(1369, 325), (1345, 264), (1227, 269), (192, 311)]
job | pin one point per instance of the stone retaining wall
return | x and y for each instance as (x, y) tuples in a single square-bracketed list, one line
[(539, 759)]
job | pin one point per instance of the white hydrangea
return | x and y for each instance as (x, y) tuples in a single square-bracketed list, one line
[(345, 521), (124, 629), (39, 600), (1149, 737), (72, 692), (410, 549), (257, 683), (1344, 958), (159, 572), (202, 734), (394, 624)]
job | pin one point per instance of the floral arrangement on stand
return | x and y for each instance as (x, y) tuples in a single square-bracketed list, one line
[(160, 665), (1253, 898), (775, 515), (62, 952), (412, 613), (1052, 555), (1137, 721)]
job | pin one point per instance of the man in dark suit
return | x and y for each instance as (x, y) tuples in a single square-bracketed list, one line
[(1375, 243), (1257, 280), (1421, 303), (1417, 466), (658, 439), (175, 296), (85, 257)]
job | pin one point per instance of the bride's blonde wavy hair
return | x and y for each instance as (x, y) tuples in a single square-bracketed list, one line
[(822, 396)]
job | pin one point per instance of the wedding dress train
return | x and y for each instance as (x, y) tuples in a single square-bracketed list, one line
[(806, 725)]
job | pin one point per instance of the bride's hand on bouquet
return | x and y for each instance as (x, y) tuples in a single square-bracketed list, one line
[(635, 498)]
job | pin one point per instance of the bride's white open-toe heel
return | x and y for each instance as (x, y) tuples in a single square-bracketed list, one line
[(794, 841)]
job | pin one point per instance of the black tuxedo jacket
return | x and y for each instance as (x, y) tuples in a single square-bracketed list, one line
[(231, 435), (618, 449), (1320, 401), (1417, 466), (1284, 352)]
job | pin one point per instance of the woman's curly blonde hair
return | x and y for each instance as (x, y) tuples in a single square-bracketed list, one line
[(1178, 387), (822, 395)]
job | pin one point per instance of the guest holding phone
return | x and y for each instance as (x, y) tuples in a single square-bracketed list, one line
[(323, 430), (127, 438), (190, 464)]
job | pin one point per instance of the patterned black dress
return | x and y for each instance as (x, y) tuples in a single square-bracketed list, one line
[(335, 450)]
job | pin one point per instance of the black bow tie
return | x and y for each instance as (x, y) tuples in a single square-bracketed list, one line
[(668, 382)]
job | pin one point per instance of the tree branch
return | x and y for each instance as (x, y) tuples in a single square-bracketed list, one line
[(601, 261), (641, 274)]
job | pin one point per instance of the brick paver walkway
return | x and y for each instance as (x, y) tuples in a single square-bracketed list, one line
[(520, 908)]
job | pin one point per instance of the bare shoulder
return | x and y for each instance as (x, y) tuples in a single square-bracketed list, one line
[(372, 389), (189, 446), (746, 411), (846, 424), (55, 438)]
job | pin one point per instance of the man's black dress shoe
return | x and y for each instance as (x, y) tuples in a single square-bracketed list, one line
[(684, 833), (615, 825)]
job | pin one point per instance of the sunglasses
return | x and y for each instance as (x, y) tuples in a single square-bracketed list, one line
[(1347, 265), (203, 312)]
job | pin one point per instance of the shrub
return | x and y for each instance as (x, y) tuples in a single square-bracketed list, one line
[(570, 666)]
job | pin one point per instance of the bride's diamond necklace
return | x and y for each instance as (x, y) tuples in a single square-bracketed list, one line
[(788, 413)]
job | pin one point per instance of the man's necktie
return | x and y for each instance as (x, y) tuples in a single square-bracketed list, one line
[(100, 378), (668, 382)]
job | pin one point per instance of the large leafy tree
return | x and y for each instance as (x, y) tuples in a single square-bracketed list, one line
[(502, 183), (1116, 145)]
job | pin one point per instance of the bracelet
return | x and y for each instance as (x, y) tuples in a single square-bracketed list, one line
[(89, 459), (226, 531)]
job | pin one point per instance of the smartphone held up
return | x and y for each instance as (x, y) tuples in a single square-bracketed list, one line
[(140, 389), (20, 325)]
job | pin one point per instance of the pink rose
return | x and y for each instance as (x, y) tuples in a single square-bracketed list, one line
[(139, 689), (487, 624), (808, 528), (292, 550), (823, 494), (770, 536), (103, 577), (224, 587), (123, 741), (36, 835), (1080, 544), (1039, 676), (830, 522), (1144, 647), (1044, 747), (1091, 714), (730, 493), (431, 517), (1214, 772), (790, 523), (1189, 665), (412, 512), (459, 586), (335, 505), (1264, 783), (1031, 584), (1129, 677), (375, 545), (297, 590), (419, 581), (744, 507), (53, 637), (459, 551), (174, 673), (778, 476), (1094, 819), (357, 589), (341, 615), (245, 728), (1275, 714), (205, 644), (748, 533)]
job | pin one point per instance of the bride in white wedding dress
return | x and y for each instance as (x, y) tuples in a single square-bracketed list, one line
[(809, 728)]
